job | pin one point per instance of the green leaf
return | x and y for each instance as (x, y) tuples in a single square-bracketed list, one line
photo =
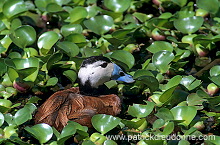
[(185, 113), (42, 4), (2, 119), (140, 111), (194, 100), (162, 59), (71, 75), (150, 81), (52, 7), (23, 36), (216, 80), (165, 114), (173, 82), (68, 131), (117, 5), (188, 25), (190, 82), (70, 48), (22, 115), (123, 57), (46, 41), (211, 6), (99, 24), (167, 95), (159, 46), (70, 29), (52, 81), (104, 123), (181, 3), (42, 132), (77, 14), (215, 71), (12, 8), (158, 123)]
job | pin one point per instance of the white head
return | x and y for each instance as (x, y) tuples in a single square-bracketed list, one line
[(97, 70)]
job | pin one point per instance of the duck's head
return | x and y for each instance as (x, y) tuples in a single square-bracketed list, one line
[(97, 70)]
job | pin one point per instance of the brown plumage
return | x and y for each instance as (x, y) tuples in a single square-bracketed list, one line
[(68, 105), (80, 104)]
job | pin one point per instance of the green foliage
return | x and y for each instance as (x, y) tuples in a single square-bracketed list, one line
[(170, 47)]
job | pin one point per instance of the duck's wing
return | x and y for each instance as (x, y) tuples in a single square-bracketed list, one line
[(70, 105)]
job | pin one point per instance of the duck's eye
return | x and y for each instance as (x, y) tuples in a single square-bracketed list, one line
[(104, 65), (121, 73)]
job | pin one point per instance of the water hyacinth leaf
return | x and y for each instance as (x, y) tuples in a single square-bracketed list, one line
[(109, 142), (46, 41), (42, 132), (142, 72), (70, 48), (23, 36), (158, 123), (2, 26), (164, 114), (124, 57), (141, 16), (173, 81), (184, 113), (12, 8), (99, 24), (104, 123), (159, 46), (194, 100), (188, 25), (77, 14), (71, 75), (53, 59), (181, 3), (215, 79), (211, 6), (139, 111), (71, 28), (151, 82), (53, 7), (167, 95), (76, 38), (215, 71), (185, 14), (190, 82), (134, 123), (162, 59), (52, 81), (2, 119), (117, 5), (68, 131), (42, 4), (27, 65), (22, 116)]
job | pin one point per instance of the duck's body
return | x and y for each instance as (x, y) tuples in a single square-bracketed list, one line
[(80, 104)]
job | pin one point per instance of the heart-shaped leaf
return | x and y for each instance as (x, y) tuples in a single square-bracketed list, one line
[(12, 8), (104, 123), (211, 6), (23, 36), (71, 28), (188, 25), (190, 82), (185, 113), (181, 3), (99, 24), (164, 114), (77, 14), (159, 46), (71, 75), (2, 119), (52, 81), (123, 57), (139, 111), (42, 4), (70, 48), (53, 7), (215, 71), (46, 41), (162, 59), (117, 5), (42, 132)]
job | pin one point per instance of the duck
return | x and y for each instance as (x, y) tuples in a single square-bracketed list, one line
[(91, 97)]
